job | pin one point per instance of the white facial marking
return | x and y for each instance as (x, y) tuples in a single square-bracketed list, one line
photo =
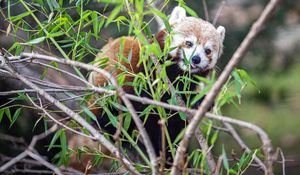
[(195, 38), (186, 53)]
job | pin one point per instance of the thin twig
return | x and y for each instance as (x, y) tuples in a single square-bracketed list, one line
[(58, 122), (219, 165), (163, 147), (158, 20), (28, 151), (205, 10), (242, 144), (11, 138), (144, 100), (42, 161), (13, 161), (136, 119), (283, 161), (219, 11), (76, 117)]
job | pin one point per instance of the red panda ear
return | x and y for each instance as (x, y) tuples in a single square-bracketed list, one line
[(177, 15), (221, 31)]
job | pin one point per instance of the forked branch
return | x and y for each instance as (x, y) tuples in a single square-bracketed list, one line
[(212, 94)]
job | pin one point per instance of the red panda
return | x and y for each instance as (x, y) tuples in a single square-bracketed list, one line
[(198, 45)]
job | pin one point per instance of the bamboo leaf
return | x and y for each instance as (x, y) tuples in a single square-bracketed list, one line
[(35, 41), (15, 117), (113, 14)]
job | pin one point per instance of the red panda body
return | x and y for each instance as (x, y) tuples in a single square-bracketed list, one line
[(131, 46), (198, 45)]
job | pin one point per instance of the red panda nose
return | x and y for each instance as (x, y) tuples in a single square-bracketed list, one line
[(196, 59)]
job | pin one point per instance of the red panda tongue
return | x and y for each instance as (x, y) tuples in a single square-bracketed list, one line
[(193, 66)]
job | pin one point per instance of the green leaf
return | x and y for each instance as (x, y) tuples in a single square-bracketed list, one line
[(56, 34), (147, 30), (244, 75), (94, 16), (8, 114), (15, 117), (35, 41), (21, 16), (113, 120), (53, 4), (214, 138), (89, 113), (163, 17), (139, 4), (200, 95), (113, 14), (1, 114), (127, 121), (225, 159), (159, 13), (189, 10), (63, 142), (54, 139)]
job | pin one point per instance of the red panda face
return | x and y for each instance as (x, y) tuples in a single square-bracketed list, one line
[(198, 43)]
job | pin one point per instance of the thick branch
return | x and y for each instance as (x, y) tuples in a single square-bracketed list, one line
[(120, 92), (143, 100), (208, 100), (76, 117)]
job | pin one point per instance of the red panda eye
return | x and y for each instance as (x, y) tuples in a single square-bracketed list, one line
[(207, 51), (189, 43)]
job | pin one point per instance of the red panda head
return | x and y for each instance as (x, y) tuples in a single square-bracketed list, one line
[(198, 44)]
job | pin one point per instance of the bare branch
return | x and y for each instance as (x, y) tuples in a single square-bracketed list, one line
[(219, 11), (208, 100), (205, 10), (158, 20), (242, 144), (219, 165), (28, 152), (283, 161), (58, 122), (75, 116), (144, 100), (120, 92), (42, 161), (13, 161)]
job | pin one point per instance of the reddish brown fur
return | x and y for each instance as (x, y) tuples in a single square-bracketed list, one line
[(111, 50), (198, 28), (160, 37)]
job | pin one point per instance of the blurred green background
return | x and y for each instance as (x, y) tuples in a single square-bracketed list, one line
[(273, 62)]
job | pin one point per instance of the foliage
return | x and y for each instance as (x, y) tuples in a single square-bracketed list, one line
[(72, 35)]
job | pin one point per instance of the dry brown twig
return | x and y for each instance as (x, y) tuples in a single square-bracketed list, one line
[(204, 4), (208, 100), (199, 135), (40, 107), (242, 144), (219, 12)]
